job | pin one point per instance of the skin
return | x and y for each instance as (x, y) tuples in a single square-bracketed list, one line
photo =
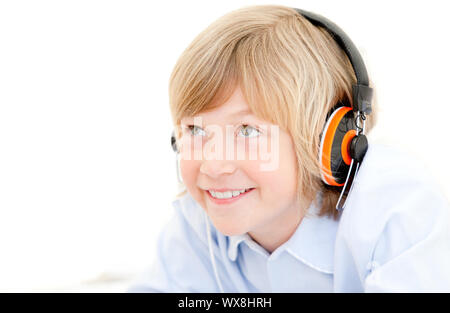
[(271, 212)]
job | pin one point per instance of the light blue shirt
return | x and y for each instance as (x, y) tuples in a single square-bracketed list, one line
[(393, 236)]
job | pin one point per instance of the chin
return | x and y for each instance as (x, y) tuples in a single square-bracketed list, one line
[(230, 230)]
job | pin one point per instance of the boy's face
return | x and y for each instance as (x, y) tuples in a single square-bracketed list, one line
[(226, 152)]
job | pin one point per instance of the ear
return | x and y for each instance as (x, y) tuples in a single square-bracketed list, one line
[(173, 142)]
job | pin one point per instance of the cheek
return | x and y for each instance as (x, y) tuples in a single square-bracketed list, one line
[(189, 170), (280, 183), (277, 185)]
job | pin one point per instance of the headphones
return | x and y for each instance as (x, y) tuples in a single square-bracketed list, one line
[(343, 144)]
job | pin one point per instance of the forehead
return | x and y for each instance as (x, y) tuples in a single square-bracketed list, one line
[(235, 107)]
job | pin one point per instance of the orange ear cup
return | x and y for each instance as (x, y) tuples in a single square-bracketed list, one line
[(345, 147), (333, 136)]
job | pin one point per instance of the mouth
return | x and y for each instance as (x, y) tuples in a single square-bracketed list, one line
[(228, 197)]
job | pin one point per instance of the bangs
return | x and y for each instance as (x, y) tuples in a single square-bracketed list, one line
[(202, 84), (247, 66), (240, 49), (263, 85)]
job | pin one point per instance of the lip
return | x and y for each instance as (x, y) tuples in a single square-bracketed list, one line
[(227, 189), (227, 201)]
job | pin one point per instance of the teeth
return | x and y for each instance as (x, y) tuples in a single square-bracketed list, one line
[(227, 194)]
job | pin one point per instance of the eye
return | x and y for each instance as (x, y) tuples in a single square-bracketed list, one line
[(194, 130), (249, 131)]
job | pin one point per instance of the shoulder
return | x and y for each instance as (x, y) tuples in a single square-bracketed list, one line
[(181, 262), (192, 228), (395, 203), (191, 218), (384, 161), (392, 181)]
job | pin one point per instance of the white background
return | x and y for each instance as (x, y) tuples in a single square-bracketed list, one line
[(87, 174)]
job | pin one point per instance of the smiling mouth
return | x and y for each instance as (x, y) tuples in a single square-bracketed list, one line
[(228, 196)]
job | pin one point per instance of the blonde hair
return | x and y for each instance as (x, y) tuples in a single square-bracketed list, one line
[(291, 74)]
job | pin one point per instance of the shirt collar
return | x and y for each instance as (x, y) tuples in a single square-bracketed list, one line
[(312, 242), (233, 245)]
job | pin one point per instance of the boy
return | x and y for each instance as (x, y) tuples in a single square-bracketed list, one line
[(267, 222)]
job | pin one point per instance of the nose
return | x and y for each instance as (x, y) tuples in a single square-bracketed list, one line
[(216, 168), (215, 162)]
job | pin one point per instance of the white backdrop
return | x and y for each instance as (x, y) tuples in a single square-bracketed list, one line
[(86, 170)]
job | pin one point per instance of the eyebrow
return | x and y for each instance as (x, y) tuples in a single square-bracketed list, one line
[(234, 115)]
